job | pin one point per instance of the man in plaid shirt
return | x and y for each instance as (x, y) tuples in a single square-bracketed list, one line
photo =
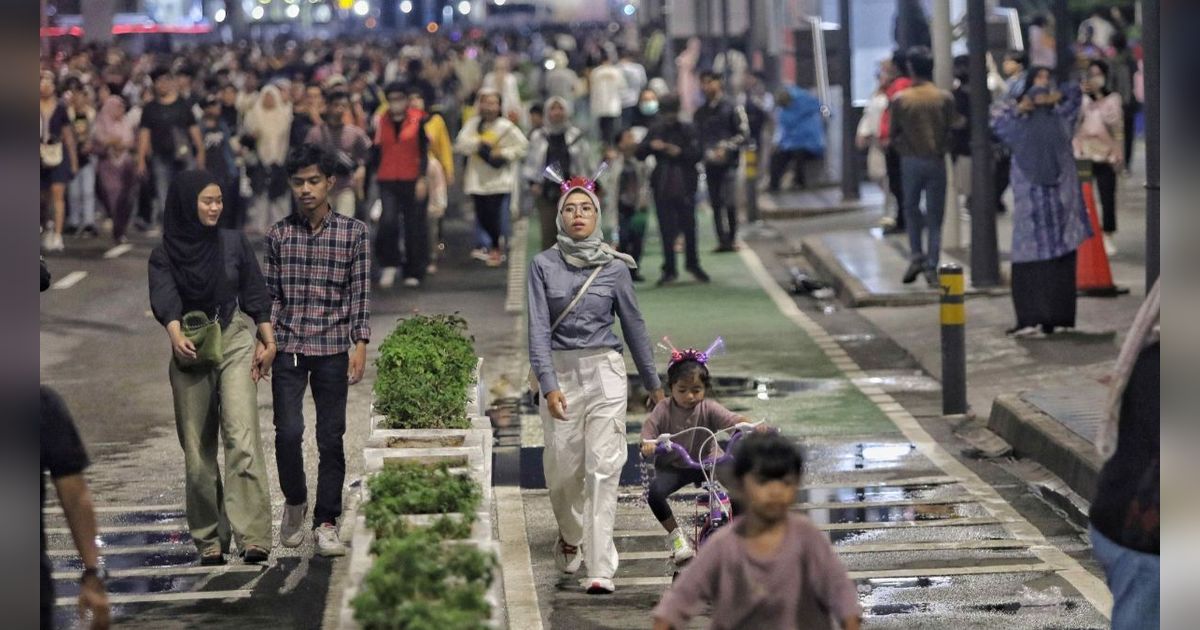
[(318, 273)]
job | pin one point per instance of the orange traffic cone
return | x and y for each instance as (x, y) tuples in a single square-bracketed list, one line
[(1093, 277)]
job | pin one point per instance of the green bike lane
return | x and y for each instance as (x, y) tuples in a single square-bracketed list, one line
[(927, 541)]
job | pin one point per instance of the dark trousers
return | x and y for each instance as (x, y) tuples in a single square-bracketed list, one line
[(928, 175), (667, 481), (891, 160), (1130, 114), (1003, 175), (488, 209), (399, 200), (1106, 188), (632, 239), (676, 214), (721, 196), (780, 160), (327, 376), (608, 129)]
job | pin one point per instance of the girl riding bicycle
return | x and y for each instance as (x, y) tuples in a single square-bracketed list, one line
[(688, 381)]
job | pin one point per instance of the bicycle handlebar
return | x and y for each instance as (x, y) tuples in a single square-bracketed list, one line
[(665, 445)]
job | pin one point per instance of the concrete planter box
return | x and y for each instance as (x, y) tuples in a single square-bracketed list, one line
[(467, 451)]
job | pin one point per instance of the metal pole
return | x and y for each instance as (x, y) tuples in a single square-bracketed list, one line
[(1064, 36), (1151, 67), (850, 175), (943, 76), (954, 348), (985, 257)]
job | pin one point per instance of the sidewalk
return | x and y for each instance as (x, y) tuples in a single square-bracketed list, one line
[(1042, 395)]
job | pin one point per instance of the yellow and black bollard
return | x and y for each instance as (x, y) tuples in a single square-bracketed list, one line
[(954, 350)]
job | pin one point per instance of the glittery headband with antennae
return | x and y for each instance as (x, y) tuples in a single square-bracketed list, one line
[(677, 355), (576, 181)]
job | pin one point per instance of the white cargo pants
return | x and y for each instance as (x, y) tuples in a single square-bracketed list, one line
[(585, 453)]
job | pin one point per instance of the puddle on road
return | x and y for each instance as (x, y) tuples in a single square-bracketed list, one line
[(183, 555), (133, 585), (912, 513), (899, 381), (879, 493)]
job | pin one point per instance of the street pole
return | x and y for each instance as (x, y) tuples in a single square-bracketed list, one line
[(1151, 22), (943, 76), (1064, 36), (985, 258), (849, 151)]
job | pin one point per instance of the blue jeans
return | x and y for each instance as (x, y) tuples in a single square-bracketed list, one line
[(81, 193), (928, 175), (482, 238), (1133, 579)]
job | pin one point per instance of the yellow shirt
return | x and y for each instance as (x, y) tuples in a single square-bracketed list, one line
[(441, 148)]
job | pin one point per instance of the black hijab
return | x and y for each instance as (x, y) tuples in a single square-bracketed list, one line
[(193, 248)]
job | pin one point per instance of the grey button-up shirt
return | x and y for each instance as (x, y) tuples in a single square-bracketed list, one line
[(552, 285)]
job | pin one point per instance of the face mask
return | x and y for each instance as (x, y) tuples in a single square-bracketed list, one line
[(1099, 82), (648, 108)]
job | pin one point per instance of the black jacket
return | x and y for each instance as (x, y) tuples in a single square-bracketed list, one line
[(673, 175), (241, 271), (722, 124)]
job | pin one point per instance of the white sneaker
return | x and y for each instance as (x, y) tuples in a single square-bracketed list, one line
[(1110, 246), (431, 269), (291, 526), (680, 547), (387, 278), (567, 557), (600, 586), (376, 210), (328, 542), (412, 283)]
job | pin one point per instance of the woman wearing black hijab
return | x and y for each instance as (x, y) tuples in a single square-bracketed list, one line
[(200, 267)]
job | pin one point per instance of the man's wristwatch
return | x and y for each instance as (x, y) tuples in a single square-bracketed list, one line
[(100, 573)]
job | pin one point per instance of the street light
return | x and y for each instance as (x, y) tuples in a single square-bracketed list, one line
[(464, 7), (362, 7), (629, 9), (292, 11), (219, 16), (257, 13), (406, 6)]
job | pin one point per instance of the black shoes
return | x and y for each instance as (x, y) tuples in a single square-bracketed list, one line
[(699, 274), (637, 277), (724, 249), (932, 278), (668, 278), (255, 555), (914, 269)]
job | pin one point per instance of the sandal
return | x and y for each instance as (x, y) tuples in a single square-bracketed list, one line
[(212, 556), (253, 554)]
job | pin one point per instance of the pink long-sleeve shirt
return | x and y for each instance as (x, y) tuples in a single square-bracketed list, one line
[(802, 586)]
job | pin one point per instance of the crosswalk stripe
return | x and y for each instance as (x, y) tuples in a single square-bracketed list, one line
[(169, 571), (165, 548), (126, 529), (139, 598), (836, 527), (118, 250), (54, 510), (1036, 567), (70, 280), (874, 548)]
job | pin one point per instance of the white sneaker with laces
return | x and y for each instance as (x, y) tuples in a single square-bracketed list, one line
[(600, 586), (567, 557), (387, 277), (680, 547), (291, 530), (328, 542)]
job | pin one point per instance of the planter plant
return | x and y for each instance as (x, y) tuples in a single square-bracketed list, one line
[(401, 490), (425, 367)]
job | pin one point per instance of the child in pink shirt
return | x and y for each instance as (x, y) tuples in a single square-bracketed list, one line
[(771, 568)]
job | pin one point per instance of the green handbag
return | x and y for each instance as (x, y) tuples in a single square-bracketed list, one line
[(205, 334)]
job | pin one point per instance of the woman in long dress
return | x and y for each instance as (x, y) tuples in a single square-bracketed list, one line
[(1049, 219)]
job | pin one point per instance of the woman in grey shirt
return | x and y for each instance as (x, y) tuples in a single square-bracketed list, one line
[(581, 372)]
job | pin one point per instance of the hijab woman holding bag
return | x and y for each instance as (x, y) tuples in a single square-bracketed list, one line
[(201, 272), (575, 289)]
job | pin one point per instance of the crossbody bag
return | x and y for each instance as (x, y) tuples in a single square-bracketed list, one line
[(533, 381)]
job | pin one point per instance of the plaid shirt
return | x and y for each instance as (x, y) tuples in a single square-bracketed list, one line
[(320, 284)]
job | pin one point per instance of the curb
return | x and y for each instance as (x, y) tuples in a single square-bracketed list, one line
[(826, 263), (1035, 435)]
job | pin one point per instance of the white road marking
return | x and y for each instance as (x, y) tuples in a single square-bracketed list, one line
[(54, 510), (140, 598), (1091, 587), (1038, 567), (126, 529), (841, 527), (169, 571), (70, 280), (961, 545), (119, 250), (520, 591), (165, 549)]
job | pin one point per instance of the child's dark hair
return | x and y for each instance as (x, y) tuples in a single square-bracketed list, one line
[(768, 455), (686, 369)]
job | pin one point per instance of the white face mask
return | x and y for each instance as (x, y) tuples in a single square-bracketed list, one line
[(1099, 82)]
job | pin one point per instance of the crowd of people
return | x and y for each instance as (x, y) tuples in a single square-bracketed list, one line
[(419, 125)]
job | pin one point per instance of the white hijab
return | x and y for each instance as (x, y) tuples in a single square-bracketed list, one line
[(270, 127)]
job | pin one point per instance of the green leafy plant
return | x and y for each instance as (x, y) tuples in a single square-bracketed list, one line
[(401, 489), (418, 583), (424, 369)]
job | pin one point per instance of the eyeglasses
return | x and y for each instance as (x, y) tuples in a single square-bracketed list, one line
[(581, 211)]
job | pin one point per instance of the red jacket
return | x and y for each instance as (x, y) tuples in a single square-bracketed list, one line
[(403, 150), (893, 88)]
